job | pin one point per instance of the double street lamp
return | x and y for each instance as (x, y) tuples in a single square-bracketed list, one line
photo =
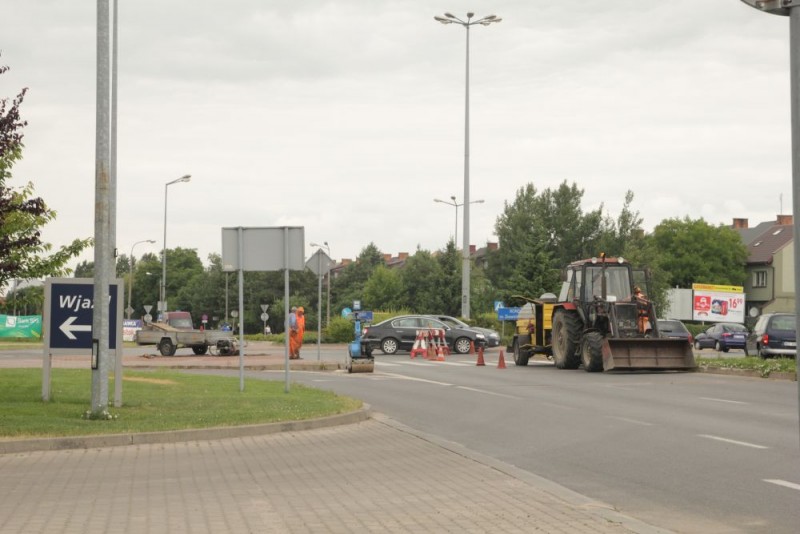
[(129, 309), (163, 296), (456, 205), (449, 18)]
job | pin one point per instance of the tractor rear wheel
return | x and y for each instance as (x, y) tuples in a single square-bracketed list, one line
[(521, 355), (566, 339), (592, 352)]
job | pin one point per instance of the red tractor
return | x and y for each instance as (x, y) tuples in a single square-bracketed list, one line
[(600, 320)]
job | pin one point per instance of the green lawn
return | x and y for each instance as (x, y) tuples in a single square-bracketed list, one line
[(765, 367), (153, 401)]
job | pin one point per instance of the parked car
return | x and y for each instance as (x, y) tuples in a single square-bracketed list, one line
[(722, 337), (399, 333), (492, 337), (673, 328), (773, 335)]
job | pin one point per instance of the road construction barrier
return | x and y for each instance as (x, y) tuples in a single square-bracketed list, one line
[(420, 347)]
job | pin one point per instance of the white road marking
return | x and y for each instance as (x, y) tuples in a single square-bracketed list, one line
[(723, 400), (489, 392), (627, 420), (404, 377), (733, 441), (790, 485)]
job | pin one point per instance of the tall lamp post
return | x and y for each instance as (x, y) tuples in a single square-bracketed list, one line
[(129, 309), (456, 205), (449, 18), (791, 8), (163, 302)]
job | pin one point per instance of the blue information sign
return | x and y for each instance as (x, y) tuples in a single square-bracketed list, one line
[(71, 312), (507, 314)]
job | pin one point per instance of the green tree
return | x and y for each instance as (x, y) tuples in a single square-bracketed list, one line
[(622, 235), (450, 287), (690, 251), (522, 263), (23, 254), (422, 279), (349, 285), (384, 290)]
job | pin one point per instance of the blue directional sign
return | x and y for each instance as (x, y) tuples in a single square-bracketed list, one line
[(507, 314), (70, 313)]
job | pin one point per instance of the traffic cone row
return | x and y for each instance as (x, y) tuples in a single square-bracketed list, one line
[(501, 361)]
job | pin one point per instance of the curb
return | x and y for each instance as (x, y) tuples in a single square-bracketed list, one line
[(746, 373), (173, 436)]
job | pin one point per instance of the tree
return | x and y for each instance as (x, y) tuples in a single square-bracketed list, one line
[(450, 288), (349, 285), (23, 254), (384, 290), (522, 263), (422, 279), (692, 251), (624, 235)]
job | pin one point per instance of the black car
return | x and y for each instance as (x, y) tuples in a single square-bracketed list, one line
[(492, 337), (675, 329), (399, 333), (773, 335), (722, 337)]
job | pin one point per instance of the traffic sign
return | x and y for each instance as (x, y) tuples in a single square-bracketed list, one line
[(70, 303), (264, 316), (508, 314)]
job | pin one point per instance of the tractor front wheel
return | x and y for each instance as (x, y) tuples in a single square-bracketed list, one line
[(592, 352), (566, 339)]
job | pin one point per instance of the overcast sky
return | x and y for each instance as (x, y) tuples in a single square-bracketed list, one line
[(346, 117)]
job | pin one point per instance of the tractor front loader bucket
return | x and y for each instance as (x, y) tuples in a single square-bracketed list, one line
[(633, 354)]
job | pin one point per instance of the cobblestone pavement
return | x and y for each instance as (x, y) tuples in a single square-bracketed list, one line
[(373, 476)]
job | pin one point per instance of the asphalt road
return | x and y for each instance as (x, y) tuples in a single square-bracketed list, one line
[(690, 452)]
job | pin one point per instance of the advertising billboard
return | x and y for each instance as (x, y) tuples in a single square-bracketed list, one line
[(715, 303)]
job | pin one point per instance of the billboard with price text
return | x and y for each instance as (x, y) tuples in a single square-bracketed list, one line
[(715, 303)]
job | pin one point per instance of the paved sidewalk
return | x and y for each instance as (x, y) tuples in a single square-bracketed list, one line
[(373, 476), (370, 476)]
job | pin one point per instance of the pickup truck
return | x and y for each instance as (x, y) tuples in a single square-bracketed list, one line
[(177, 331)]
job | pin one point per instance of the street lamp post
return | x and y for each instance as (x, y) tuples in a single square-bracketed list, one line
[(129, 309), (456, 205), (791, 8), (449, 18), (163, 302)]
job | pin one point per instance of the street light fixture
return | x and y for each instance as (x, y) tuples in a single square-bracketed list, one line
[(456, 205), (449, 18), (129, 309), (163, 302)]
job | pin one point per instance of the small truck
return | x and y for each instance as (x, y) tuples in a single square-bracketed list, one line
[(177, 331)]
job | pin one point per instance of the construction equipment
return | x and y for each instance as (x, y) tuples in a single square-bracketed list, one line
[(359, 357), (601, 321)]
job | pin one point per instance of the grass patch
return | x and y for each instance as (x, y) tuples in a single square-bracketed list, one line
[(154, 401), (751, 363)]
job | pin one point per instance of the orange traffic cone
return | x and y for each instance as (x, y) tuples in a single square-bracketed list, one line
[(501, 363), (472, 347), (439, 355), (480, 357)]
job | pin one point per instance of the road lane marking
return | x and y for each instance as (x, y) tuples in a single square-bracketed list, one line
[(413, 379), (723, 400), (733, 441), (790, 485), (627, 420), (489, 392)]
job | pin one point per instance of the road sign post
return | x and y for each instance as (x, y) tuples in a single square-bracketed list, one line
[(67, 325)]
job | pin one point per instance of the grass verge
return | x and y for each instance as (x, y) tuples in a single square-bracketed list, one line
[(154, 401), (751, 363)]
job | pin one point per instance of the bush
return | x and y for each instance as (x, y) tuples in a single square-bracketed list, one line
[(340, 330)]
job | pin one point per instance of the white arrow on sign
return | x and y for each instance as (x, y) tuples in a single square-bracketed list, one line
[(68, 328)]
